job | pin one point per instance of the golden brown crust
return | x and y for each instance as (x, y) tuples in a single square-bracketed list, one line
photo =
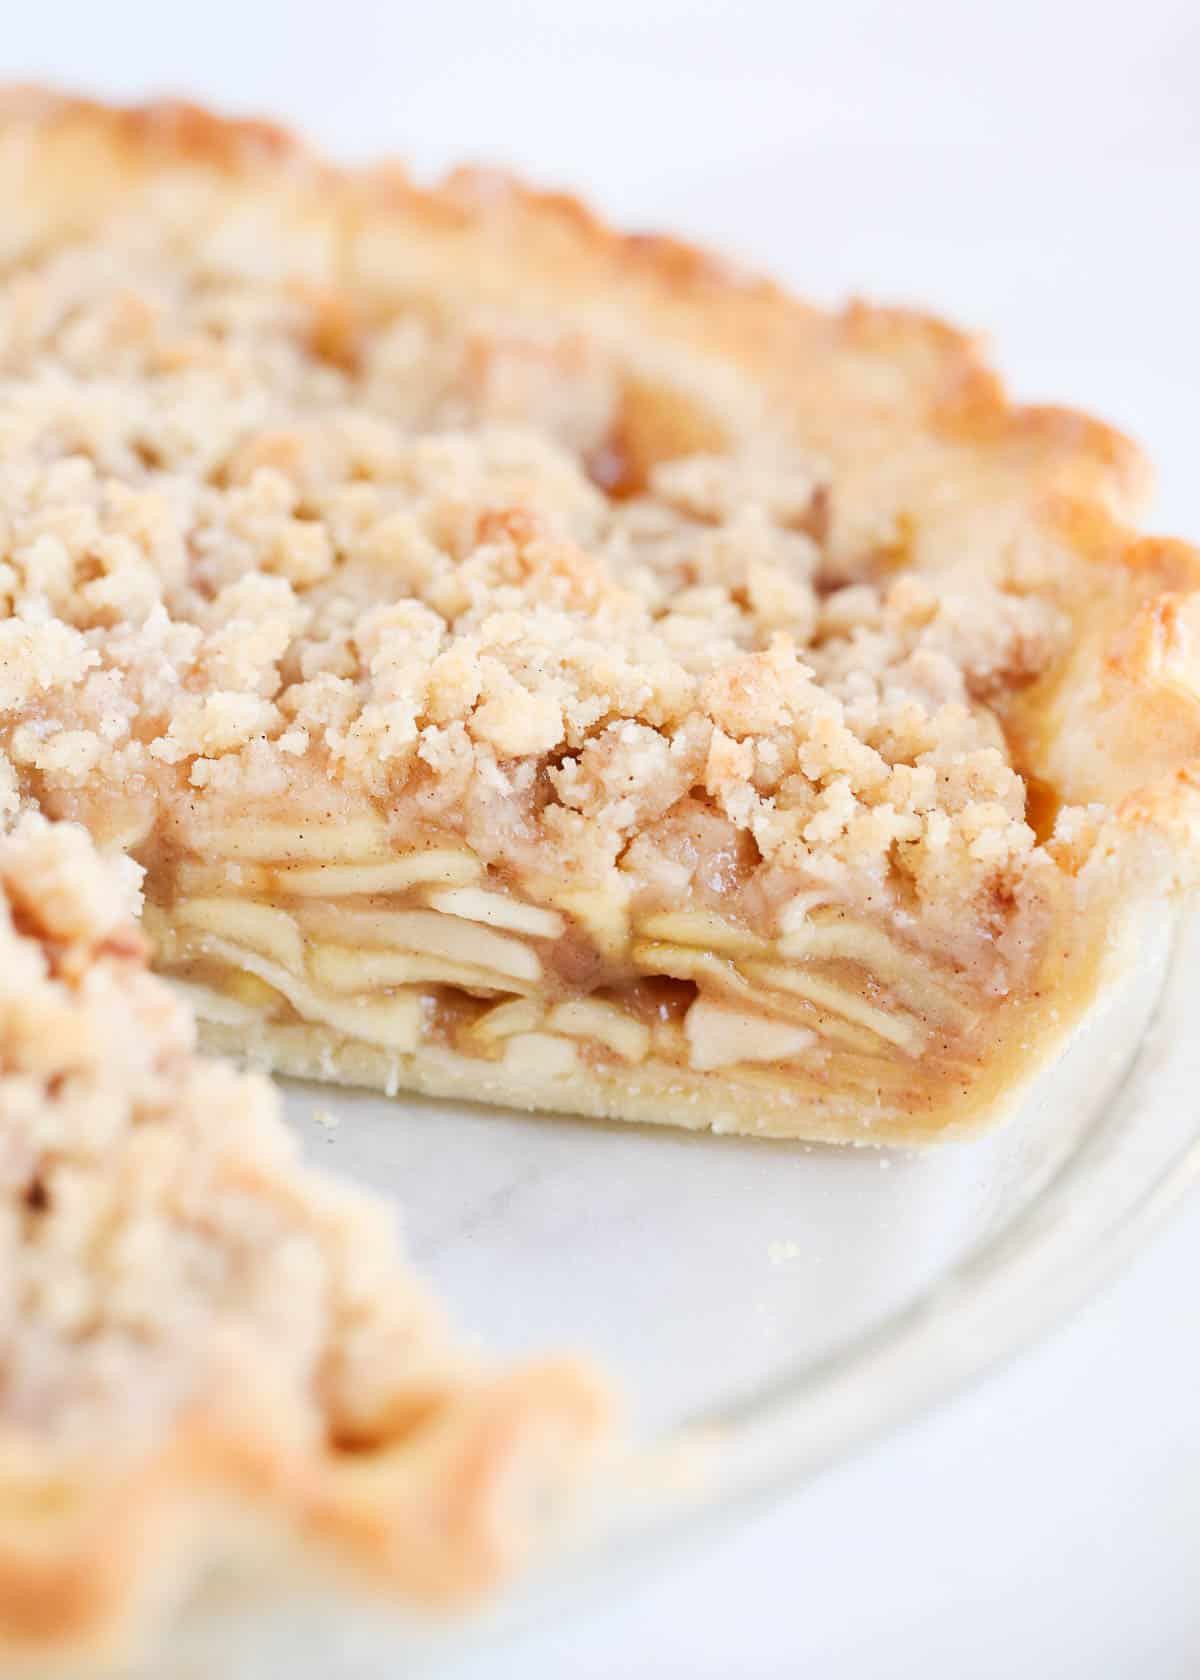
[(436, 1526), (960, 391), (170, 130), (878, 376)]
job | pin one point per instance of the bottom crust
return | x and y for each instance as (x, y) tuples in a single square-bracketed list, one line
[(755, 1104)]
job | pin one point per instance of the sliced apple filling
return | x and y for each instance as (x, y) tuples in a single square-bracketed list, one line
[(430, 959)]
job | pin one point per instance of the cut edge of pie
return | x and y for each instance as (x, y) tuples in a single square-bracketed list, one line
[(213, 1360), (632, 692)]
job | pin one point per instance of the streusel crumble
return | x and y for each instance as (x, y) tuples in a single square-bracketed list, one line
[(553, 670)]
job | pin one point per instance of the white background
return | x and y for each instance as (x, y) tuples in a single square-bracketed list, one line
[(1030, 169)]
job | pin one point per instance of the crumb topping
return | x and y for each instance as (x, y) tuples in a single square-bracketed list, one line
[(162, 1251), (258, 544)]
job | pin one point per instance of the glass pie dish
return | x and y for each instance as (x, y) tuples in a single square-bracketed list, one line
[(767, 1307)]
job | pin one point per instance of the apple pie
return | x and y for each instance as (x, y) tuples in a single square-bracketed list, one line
[(210, 1357), (556, 668)]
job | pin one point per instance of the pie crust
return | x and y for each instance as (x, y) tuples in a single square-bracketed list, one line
[(213, 1358), (552, 667)]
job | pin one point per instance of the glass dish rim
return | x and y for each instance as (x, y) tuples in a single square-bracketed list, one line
[(745, 1455)]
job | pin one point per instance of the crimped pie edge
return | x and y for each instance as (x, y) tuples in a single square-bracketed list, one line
[(1077, 480)]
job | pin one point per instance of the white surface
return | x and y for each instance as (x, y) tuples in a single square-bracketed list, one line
[(1044, 1526), (1034, 170)]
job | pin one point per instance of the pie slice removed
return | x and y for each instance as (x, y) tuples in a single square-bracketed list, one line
[(558, 669), (212, 1358)]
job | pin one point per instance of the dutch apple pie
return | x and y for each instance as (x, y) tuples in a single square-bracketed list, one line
[(554, 668)]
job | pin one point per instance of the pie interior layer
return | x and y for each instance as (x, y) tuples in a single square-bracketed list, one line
[(212, 1357), (559, 669)]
